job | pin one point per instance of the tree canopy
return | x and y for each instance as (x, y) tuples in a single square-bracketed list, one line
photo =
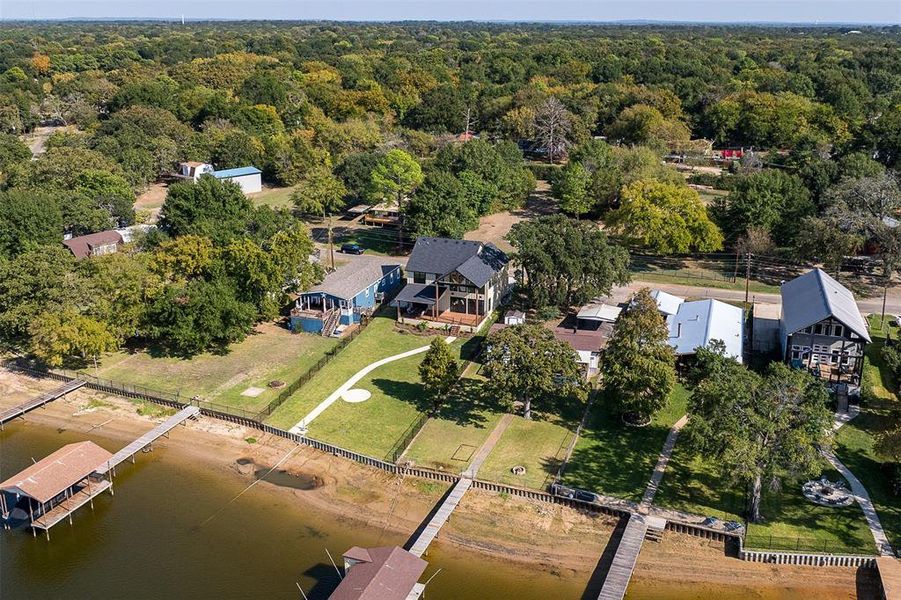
[(566, 262), (638, 363), (526, 364), (759, 429)]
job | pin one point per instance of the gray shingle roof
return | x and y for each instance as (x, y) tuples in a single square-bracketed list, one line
[(350, 279), (815, 296), (474, 260)]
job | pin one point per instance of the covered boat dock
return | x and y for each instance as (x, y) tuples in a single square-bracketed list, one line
[(57, 485)]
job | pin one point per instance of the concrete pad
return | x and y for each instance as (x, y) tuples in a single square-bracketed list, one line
[(253, 392), (356, 395)]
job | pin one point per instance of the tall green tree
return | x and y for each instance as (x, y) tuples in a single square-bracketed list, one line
[(209, 207), (638, 363), (869, 207), (526, 364), (395, 177), (572, 188), (664, 218), (441, 207), (57, 336), (565, 262), (197, 316), (28, 220), (439, 370), (769, 199), (758, 429)]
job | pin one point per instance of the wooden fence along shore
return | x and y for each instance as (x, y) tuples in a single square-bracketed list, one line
[(610, 506)]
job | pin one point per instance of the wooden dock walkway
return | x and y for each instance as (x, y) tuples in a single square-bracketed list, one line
[(620, 572), (29, 405), (148, 438), (444, 512)]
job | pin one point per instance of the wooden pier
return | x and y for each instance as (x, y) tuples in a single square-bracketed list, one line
[(148, 438), (29, 405), (620, 572), (421, 543)]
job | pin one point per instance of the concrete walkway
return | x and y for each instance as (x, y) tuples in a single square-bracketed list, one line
[(859, 491), (473, 470), (301, 426), (660, 468)]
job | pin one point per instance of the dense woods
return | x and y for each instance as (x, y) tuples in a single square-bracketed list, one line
[(452, 122)]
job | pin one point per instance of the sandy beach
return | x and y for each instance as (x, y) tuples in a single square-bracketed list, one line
[(557, 540)]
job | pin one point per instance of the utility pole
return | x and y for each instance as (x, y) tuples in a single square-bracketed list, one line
[(884, 295), (747, 277), (331, 243)]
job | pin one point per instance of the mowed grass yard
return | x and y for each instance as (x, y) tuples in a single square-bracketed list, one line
[(449, 440), (275, 197), (855, 441), (379, 340), (270, 353), (538, 444), (617, 460)]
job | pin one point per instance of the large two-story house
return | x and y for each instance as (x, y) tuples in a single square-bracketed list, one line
[(821, 328), (452, 282)]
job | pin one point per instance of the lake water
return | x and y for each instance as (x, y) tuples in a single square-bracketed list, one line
[(172, 531)]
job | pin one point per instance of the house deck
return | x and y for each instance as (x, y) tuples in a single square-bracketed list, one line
[(453, 318)]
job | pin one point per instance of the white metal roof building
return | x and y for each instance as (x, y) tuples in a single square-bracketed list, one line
[(695, 324)]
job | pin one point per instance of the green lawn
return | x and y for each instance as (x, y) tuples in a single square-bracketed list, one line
[(275, 197), (450, 439), (379, 340), (374, 426), (615, 459), (539, 445), (270, 353), (697, 272), (791, 521), (374, 240), (855, 440)]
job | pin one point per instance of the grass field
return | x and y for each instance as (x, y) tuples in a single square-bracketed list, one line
[(380, 241), (372, 427), (449, 440), (791, 521), (379, 340), (615, 459), (270, 353), (856, 439), (275, 197), (539, 445)]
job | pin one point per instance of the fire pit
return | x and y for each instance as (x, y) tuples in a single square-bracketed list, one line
[(826, 493)]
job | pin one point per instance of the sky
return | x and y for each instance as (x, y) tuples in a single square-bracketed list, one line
[(775, 11)]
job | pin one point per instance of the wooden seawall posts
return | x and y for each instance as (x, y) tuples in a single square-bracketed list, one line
[(29, 405), (148, 438)]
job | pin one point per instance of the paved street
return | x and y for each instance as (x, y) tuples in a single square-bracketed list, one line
[(867, 306)]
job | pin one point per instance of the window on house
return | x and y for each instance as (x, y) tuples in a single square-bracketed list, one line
[(795, 355), (418, 277), (818, 329), (808, 330), (846, 359), (838, 330)]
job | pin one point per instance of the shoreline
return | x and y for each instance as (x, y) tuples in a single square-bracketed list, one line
[(553, 539)]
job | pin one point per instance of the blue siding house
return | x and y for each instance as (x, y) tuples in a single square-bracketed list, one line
[(345, 295)]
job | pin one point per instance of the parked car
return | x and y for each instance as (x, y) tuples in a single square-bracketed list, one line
[(351, 249), (586, 496), (562, 490)]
